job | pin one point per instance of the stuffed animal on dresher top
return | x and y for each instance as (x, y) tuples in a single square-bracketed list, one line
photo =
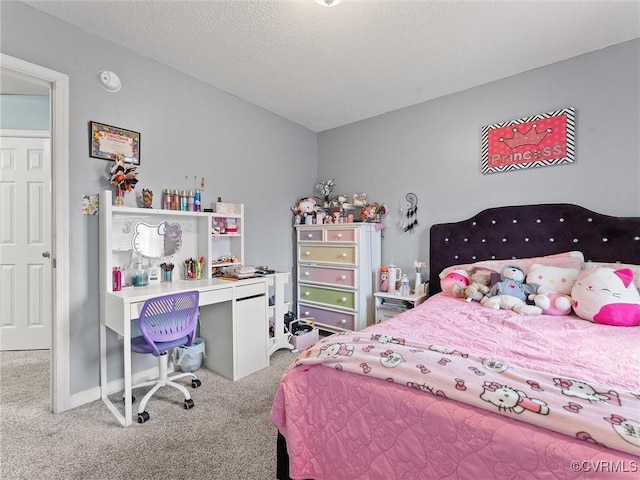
[(511, 292), (607, 296)]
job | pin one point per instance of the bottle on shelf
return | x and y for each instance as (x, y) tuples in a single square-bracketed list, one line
[(404, 285), (190, 201), (117, 279), (166, 199), (140, 277), (183, 200), (175, 200), (197, 200), (384, 279)]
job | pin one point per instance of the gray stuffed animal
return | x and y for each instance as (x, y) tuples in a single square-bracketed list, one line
[(511, 293)]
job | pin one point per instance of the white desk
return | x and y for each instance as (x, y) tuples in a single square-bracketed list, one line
[(233, 323)]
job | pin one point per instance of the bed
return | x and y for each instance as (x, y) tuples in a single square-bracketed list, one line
[(454, 390)]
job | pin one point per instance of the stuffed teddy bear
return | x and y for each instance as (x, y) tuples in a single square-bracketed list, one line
[(555, 283), (607, 296), (511, 292), (457, 277), (478, 287)]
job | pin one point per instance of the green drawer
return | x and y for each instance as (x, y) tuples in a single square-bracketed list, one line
[(327, 296)]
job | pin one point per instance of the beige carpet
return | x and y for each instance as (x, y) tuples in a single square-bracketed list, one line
[(227, 435)]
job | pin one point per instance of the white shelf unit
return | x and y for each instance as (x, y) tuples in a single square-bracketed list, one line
[(117, 228), (279, 338), (227, 244)]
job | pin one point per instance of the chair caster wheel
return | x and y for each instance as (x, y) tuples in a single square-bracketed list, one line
[(143, 417), (188, 404), (195, 383)]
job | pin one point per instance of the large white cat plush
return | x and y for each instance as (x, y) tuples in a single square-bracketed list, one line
[(607, 296)]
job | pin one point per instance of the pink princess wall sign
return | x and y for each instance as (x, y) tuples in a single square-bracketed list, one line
[(536, 141)]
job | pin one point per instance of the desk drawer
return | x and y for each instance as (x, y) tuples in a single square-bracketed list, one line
[(328, 317), (136, 308), (340, 277), (209, 297), (334, 254), (327, 296), (244, 291)]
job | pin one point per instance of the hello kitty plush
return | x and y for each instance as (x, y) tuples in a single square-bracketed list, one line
[(553, 296), (607, 296)]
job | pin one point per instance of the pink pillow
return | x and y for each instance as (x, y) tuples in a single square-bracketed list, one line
[(573, 259)]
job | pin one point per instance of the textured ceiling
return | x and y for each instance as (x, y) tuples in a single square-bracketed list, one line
[(325, 67)]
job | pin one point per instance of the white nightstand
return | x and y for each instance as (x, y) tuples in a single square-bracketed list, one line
[(390, 304)]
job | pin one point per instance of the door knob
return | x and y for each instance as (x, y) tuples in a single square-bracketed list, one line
[(46, 254)]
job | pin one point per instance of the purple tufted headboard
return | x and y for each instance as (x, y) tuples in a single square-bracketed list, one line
[(531, 231)]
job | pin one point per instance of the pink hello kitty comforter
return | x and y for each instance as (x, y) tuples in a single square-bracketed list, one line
[(456, 390)]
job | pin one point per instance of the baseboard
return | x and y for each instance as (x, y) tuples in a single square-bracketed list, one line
[(115, 386)]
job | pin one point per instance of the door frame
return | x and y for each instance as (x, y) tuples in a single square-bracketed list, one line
[(59, 100)]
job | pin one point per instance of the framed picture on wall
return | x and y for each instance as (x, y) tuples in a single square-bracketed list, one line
[(536, 141), (107, 141)]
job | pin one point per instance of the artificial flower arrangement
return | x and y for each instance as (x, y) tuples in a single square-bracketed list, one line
[(123, 176), (372, 212), (419, 285)]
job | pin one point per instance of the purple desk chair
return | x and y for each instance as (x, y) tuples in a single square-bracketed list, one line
[(166, 322)]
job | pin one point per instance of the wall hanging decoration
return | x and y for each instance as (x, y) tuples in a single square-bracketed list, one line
[(106, 142), (123, 177), (410, 213), (536, 141)]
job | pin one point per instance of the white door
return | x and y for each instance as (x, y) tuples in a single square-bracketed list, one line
[(25, 241)]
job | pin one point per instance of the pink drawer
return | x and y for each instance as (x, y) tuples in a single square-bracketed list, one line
[(329, 318), (341, 235), (329, 276), (309, 235)]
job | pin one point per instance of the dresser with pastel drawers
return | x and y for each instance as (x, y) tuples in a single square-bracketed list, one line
[(337, 270)]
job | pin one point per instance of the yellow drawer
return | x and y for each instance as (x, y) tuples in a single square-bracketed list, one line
[(327, 296), (337, 254)]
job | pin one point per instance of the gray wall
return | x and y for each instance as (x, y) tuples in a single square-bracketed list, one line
[(433, 149), (252, 156), (187, 129), (24, 112)]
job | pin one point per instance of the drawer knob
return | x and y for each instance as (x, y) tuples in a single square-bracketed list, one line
[(344, 255), (339, 235), (343, 277), (306, 274), (307, 253), (343, 299), (307, 293), (310, 235), (343, 321), (306, 314)]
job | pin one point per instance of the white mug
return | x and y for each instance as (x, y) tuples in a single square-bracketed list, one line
[(395, 274)]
